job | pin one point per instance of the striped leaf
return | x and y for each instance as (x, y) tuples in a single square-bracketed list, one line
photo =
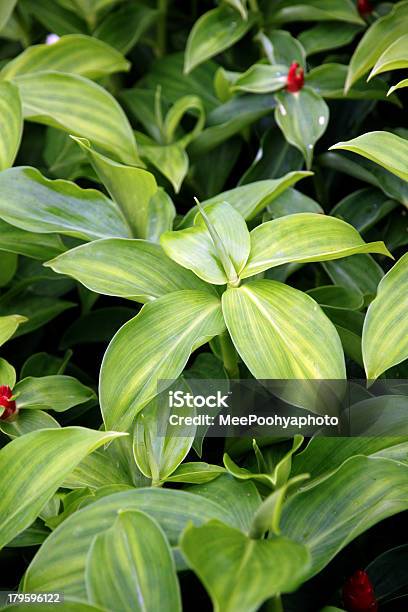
[(62, 558), (318, 238), (11, 124), (216, 255), (385, 332), (383, 148), (62, 101), (395, 57), (261, 78), (281, 332), (134, 269), (74, 54), (56, 393), (33, 466), (27, 421), (130, 567), (36, 204), (37, 246), (9, 325), (240, 573), (382, 33), (155, 345)]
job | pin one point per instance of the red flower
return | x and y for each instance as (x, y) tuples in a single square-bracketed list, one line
[(296, 78), (358, 593), (365, 7), (8, 405)]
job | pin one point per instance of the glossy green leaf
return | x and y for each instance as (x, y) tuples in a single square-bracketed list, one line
[(135, 269), (62, 558), (400, 85), (9, 263), (131, 188), (385, 334), (382, 33), (291, 202), (315, 10), (212, 33), (154, 346), (123, 28), (286, 49), (328, 81), (261, 78), (318, 238), (11, 124), (240, 573), (197, 472), (381, 487), (195, 248), (36, 204), (38, 246), (36, 310), (395, 57), (27, 421), (9, 325), (359, 273), (60, 100), (170, 160), (303, 118), (383, 148), (56, 393), (326, 36), (364, 208), (160, 215), (337, 297), (135, 543), (74, 54), (48, 456), (7, 373), (273, 345), (349, 326)]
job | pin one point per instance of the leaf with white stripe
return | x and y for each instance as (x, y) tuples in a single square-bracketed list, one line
[(385, 332), (281, 332), (11, 124), (395, 57), (318, 238)]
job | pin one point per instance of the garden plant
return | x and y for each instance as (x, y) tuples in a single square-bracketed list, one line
[(209, 191)]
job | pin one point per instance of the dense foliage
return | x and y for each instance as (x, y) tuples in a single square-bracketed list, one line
[(208, 191)]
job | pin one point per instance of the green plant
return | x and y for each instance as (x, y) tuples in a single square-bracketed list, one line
[(206, 184)]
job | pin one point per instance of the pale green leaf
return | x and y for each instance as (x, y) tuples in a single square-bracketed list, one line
[(275, 345), (303, 119), (57, 393), (74, 54), (384, 148), (70, 605), (170, 160), (261, 78), (318, 238), (212, 33), (11, 124), (48, 456), (62, 101), (27, 421), (197, 472), (400, 85), (36, 204), (395, 57), (240, 573), (9, 325), (37, 246), (385, 333), (7, 373), (130, 567), (135, 269), (154, 346), (285, 11)]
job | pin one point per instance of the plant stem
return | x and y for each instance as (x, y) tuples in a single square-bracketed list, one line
[(161, 27), (229, 355), (274, 604)]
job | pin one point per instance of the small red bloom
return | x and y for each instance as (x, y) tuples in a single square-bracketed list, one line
[(8, 405), (365, 7), (358, 593), (296, 78)]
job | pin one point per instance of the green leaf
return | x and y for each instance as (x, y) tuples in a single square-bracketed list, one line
[(273, 345), (212, 33), (285, 49), (327, 36), (55, 18), (303, 118), (318, 238), (337, 297), (196, 248), (134, 269), (47, 456), (131, 188), (364, 208), (62, 558), (160, 215), (385, 333), (395, 57), (387, 573), (197, 472), (123, 28), (315, 10), (381, 488), (358, 273), (36, 204), (61, 101), (38, 246), (383, 148), (73, 54), (70, 605), (36, 310), (9, 325), (9, 268), (240, 573), (96, 326), (170, 160), (261, 78), (249, 200), (56, 393), (383, 32), (6, 9), (11, 124), (134, 543), (7, 373), (154, 346), (400, 85), (27, 421)]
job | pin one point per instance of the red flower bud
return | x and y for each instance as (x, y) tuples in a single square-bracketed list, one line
[(358, 593), (365, 7), (8, 405), (296, 78)]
